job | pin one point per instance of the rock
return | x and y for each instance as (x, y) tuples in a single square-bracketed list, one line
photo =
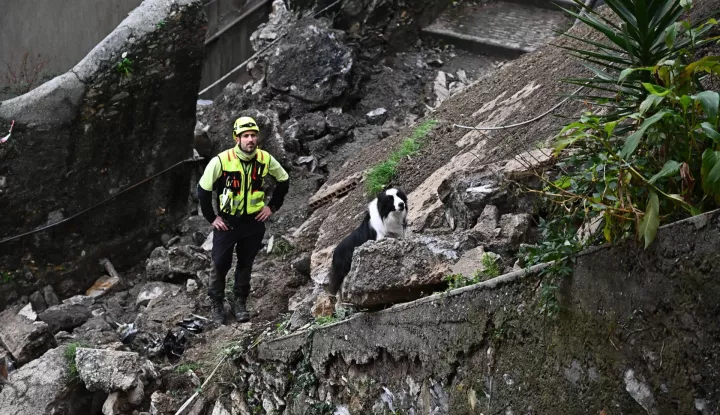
[(167, 264), (194, 230), (339, 124), (440, 87), (153, 290), (203, 144), (46, 388), (109, 370), (136, 395), (527, 164), (28, 312), (270, 139), (302, 264), (51, 298), (38, 302), (6, 364), (392, 271), (102, 286), (324, 306), (161, 404), (311, 63), (311, 126), (79, 300), (487, 223), (65, 316), (113, 405), (191, 286), (208, 244), (219, 409), (277, 24), (377, 116), (198, 407), (24, 339), (514, 229)]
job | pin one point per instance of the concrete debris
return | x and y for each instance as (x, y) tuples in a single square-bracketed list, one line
[(111, 371), (162, 404), (324, 306), (24, 339), (219, 409), (393, 271)]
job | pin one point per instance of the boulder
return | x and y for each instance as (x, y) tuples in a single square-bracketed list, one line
[(176, 263), (311, 63), (514, 228), (486, 228), (311, 126), (395, 270), (377, 116), (24, 339), (65, 316), (110, 370), (44, 385)]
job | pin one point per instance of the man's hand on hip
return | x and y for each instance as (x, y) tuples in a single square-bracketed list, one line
[(264, 214), (219, 224)]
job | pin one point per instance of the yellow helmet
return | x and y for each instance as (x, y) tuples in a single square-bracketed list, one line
[(243, 124)]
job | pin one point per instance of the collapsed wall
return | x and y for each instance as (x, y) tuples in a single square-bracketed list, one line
[(636, 334), (124, 113)]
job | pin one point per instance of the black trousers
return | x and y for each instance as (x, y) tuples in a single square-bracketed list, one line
[(245, 235)]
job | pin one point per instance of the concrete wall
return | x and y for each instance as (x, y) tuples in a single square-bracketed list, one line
[(63, 32), (637, 334)]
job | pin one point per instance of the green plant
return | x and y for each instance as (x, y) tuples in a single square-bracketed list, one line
[(634, 164), (6, 278), (186, 367), (160, 24), (283, 326), (382, 173), (490, 269), (325, 320), (124, 67), (69, 353), (281, 247), (559, 243)]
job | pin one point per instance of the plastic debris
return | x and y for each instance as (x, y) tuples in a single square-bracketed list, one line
[(7, 137)]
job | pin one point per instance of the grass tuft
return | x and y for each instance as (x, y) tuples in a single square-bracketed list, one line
[(382, 173)]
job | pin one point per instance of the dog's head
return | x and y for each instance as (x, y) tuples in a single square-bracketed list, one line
[(392, 200)]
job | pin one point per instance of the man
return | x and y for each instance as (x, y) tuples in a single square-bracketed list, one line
[(238, 175)]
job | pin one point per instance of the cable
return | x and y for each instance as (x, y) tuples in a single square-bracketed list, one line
[(82, 212), (502, 127)]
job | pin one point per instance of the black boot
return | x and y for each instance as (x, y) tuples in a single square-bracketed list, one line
[(218, 312), (239, 306)]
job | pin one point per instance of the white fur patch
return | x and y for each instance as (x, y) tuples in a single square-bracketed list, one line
[(394, 225)]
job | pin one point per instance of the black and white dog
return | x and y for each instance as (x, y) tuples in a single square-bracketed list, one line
[(385, 217)]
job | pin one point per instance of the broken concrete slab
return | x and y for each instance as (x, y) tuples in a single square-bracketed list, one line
[(110, 370), (393, 271), (24, 339), (38, 302)]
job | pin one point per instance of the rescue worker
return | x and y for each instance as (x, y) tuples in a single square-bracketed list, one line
[(238, 175)]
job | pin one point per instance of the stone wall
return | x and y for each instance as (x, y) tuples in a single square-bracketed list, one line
[(637, 334), (80, 138)]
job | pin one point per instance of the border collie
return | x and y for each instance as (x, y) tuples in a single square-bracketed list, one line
[(385, 217)]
